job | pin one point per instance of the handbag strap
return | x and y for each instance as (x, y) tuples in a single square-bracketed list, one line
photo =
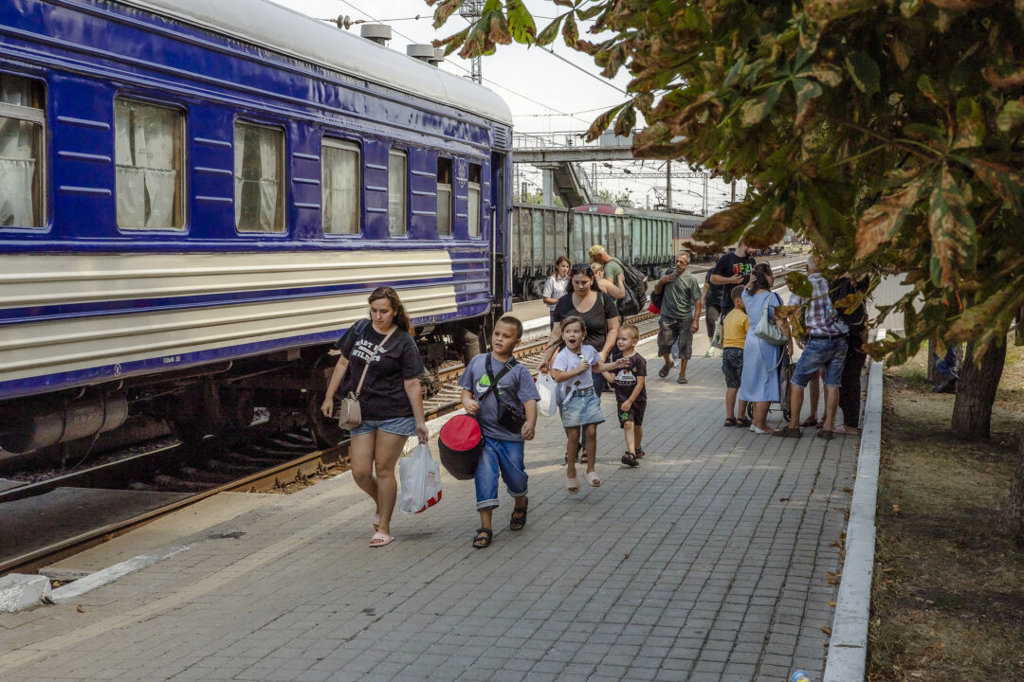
[(376, 350), (495, 379)]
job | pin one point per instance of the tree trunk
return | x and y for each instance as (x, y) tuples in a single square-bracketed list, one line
[(976, 391), (1013, 522), (933, 374)]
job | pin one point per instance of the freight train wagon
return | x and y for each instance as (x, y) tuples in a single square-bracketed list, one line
[(645, 239), (196, 198)]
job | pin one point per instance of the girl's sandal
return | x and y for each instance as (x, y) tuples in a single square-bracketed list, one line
[(810, 421), (592, 479), (483, 538), (730, 421), (572, 484), (639, 453)]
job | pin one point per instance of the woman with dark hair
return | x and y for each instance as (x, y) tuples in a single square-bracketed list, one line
[(390, 400), (556, 286), (598, 312), (759, 383)]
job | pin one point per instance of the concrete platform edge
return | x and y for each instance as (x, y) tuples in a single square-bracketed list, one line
[(847, 652)]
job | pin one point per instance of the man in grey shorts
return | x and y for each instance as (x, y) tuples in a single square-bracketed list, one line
[(681, 308)]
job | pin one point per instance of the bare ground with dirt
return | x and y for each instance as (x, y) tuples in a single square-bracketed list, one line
[(948, 595)]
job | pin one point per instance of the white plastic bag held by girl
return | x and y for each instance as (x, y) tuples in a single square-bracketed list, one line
[(548, 389), (421, 481)]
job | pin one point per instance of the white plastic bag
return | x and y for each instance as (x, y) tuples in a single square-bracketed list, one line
[(548, 389), (421, 481)]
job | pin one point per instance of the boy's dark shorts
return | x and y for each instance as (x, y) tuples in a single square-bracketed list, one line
[(635, 414), (732, 366)]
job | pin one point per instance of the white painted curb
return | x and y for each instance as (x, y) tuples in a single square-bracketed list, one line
[(79, 587), (847, 651), (19, 591)]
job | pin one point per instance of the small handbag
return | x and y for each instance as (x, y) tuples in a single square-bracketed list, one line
[(350, 415), (767, 330)]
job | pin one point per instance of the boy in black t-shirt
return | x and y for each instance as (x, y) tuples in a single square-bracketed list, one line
[(630, 392)]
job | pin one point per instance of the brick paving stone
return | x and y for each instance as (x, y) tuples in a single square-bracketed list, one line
[(709, 560)]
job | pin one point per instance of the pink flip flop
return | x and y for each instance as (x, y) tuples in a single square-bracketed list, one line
[(592, 479), (572, 484), (380, 539)]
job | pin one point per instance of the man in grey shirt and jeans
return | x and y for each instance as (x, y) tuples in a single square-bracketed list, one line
[(681, 308)]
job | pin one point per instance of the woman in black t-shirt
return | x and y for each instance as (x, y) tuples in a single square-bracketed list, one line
[(390, 400), (598, 311)]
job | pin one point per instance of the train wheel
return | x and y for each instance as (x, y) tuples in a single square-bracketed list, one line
[(326, 431)]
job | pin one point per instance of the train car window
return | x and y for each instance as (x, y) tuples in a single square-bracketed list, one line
[(474, 200), (444, 197), (259, 178), (22, 122), (398, 195), (149, 157), (341, 187)]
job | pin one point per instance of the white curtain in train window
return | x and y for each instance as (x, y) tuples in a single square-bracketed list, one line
[(259, 204), (340, 188), (20, 204), (396, 192), (147, 152)]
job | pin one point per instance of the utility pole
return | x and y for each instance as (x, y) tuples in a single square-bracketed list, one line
[(471, 10), (668, 184)]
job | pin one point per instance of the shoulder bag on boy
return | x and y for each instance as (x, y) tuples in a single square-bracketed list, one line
[(511, 417), (350, 415)]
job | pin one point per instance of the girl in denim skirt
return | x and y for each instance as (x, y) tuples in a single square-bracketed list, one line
[(581, 408)]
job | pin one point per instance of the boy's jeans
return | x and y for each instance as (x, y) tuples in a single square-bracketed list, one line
[(506, 457)]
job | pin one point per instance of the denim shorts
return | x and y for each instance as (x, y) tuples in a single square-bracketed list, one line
[(582, 409), (400, 426), (818, 353), (504, 457)]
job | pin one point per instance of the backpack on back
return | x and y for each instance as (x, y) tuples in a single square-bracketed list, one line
[(636, 289)]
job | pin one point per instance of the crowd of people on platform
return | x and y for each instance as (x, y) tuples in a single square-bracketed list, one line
[(588, 351)]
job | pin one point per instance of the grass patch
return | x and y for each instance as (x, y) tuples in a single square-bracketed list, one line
[(947, 602)]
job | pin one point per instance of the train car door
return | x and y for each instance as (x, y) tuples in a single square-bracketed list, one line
[(501, 210)]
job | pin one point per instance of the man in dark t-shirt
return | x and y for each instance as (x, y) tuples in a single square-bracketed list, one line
[(732, 269)]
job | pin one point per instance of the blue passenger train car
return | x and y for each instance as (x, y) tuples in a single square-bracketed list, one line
[(196, 198)]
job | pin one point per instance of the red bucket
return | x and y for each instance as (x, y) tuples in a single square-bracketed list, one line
[(460, 444)]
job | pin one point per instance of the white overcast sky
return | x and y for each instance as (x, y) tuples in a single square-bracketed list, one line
[(547, 93)]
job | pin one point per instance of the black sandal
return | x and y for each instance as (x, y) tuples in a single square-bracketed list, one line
[(518, 521), (730, 421), (483, 538), (743, 422)]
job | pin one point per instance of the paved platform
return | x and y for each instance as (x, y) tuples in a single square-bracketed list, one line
[(714, 560)]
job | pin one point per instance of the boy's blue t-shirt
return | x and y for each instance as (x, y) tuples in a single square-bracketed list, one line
[(516, 387)]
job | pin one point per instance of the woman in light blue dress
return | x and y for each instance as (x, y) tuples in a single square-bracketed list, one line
[(759, 383)]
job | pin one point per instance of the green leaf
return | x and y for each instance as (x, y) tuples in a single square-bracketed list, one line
[(550, 32), (879, 223), (806, 91), (570, 32), (826, 74), (799, 284), (520, 22), (1001, 179), (931, 90), (625, 122), (952, 228), (1011, 115), (970, 124), (754, 110), (864, 72), (444, 10), (602, 122)]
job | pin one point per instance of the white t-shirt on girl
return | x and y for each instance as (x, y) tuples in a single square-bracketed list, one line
[(566, 360)]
